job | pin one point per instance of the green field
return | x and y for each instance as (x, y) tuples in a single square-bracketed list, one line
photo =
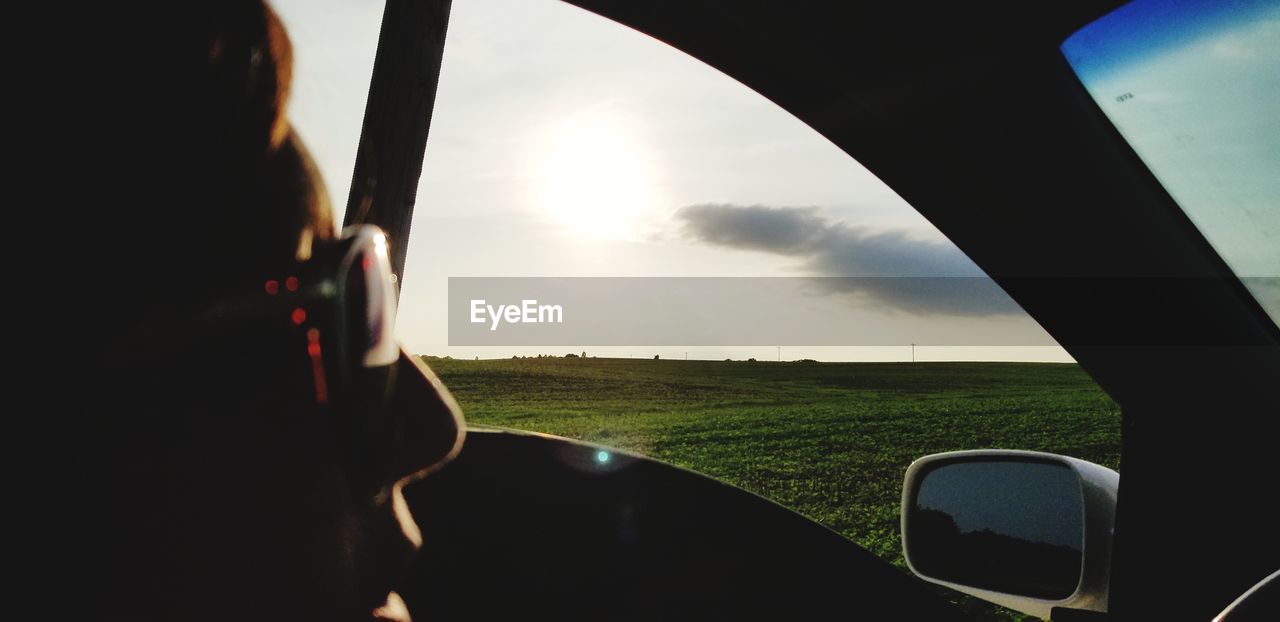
[(829, 440)]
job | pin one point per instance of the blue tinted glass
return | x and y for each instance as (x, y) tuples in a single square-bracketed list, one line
[(1193, 87)]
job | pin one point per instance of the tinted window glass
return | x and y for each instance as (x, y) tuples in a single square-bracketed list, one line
[(1193, 86)]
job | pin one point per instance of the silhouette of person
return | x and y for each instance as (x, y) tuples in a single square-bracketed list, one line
[(234, 443)]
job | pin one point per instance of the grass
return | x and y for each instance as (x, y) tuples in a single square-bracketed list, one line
[(829, 440)]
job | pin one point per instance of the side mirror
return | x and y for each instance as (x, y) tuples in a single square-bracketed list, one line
[(1026, 530)]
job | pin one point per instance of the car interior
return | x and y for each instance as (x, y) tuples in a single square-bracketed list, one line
[(973, 115)]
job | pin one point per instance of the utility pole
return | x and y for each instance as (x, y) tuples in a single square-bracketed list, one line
[(779, 354), (913, 353)]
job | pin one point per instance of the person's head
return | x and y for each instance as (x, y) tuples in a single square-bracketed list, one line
[(218, 462)]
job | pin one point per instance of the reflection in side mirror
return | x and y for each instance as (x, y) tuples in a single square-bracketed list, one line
[(1026, 530), (1009, 526)]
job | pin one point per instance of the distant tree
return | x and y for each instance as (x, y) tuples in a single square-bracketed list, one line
[(584, 354), (728, 360), (571, 356), (751, 360), (655, 357)]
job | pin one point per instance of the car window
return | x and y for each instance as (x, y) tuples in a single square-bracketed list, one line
[(1192, 87), (566, 146)]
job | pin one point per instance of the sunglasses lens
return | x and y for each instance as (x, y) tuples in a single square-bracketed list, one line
[(370, 294)]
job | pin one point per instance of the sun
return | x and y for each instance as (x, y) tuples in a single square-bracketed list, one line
[(594, 178)]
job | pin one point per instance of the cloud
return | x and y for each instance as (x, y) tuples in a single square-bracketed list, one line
[(890, 268), (782, 230)]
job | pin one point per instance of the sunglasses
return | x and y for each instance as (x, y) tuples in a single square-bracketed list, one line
[(331, 318), (345, 297), (339, 306)]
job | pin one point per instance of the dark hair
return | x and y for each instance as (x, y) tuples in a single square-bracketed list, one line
[(213, 186), (164, 174)]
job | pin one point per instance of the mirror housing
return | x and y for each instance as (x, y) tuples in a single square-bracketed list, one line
[(1026, 530)]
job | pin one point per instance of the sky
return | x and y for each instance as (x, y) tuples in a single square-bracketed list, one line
[(563, 144)]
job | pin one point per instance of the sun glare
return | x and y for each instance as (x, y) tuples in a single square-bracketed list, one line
[(594, 178)]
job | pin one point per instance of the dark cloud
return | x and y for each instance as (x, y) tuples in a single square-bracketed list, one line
[(784, 230), (888, 268)]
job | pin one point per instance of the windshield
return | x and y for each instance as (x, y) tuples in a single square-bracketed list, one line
[(1193, 87)]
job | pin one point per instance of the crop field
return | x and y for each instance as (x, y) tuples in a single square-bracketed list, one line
[(829, 440)]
